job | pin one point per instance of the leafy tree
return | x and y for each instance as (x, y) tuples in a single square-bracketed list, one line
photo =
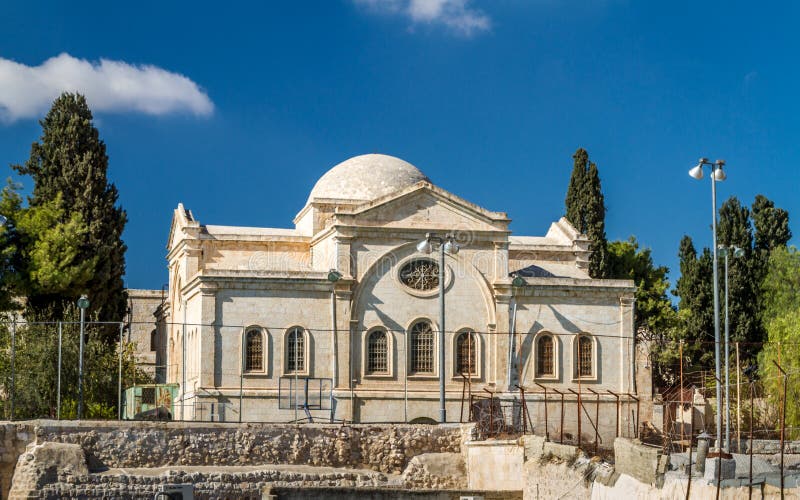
[(781, 315), (69, 163), (654, 310), (655, 316), (585, 206), (10, 207)]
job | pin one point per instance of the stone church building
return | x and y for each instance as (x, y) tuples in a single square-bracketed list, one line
[(338, 317)]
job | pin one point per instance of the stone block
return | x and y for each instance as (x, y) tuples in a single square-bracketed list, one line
[(562, 451), (639, 461), (533, 445), (726, 465)]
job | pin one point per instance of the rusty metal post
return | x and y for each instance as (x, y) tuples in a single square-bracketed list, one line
[(546, 420), (13, 368), (616, 429), (750, 447), (596, 419), (783, 421), (491, 411), (578, 400), (523, 409), (561, 437), (680, 355)]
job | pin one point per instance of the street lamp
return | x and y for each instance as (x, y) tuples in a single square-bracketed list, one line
[(83, 304), (717, 174), (737, 252), (447, 244)]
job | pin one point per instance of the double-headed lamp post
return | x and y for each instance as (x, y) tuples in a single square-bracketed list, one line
[(447, 244), (83, 304), (736, 252), (717, 174)]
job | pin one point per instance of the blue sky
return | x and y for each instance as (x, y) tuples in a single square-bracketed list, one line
[(489, 98)]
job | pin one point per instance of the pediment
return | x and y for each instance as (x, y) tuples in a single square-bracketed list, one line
[(424, 206)]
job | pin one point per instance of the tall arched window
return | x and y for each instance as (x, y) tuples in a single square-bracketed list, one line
[(254, 351), (422, 343), (377, 352), (295, 350), (467, 353), (585, 356), (545, 356)]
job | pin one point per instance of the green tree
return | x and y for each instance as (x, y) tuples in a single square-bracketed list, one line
[(781, 316), (70, 162), (771, 224), (696, 304), (10, 208), (655, 315), (585, 209), (735, 229)]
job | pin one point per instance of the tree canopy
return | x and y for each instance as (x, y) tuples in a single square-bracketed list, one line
[(585, 207)]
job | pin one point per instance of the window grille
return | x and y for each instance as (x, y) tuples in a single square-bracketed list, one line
[(254, 353), (377, 352), (545, 356), (584, 356), (422, 348), (466, 349), (148, 395), (295, 350)]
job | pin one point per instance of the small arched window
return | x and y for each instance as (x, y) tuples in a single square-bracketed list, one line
[(154, 340), (254, 351), (585, 356), (422, 344), (296, 350), (377, 352), (545, 356), (467, 353)]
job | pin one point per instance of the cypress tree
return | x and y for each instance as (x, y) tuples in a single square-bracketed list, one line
[(70, 163), (772, 225), (586, 210), (696, 303)]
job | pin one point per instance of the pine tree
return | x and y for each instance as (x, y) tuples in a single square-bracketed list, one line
[(70, 162), (586, 210), (772, 225)]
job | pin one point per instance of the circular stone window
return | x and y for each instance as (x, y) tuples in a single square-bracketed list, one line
[(420, 274)]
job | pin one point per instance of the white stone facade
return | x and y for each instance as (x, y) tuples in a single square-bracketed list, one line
[(364, 219)]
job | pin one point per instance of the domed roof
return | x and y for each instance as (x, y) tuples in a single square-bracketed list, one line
[(366, 177)]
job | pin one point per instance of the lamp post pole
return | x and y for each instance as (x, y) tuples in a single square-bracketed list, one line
[(717, 174), (83, 303), (737, 252), (446, 244)]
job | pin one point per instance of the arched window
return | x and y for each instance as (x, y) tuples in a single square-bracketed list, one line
[(377, 352), (296, 350), (467, 353), (585, 356), (545, 356), (154, 340), (422, 347), (254, 351)]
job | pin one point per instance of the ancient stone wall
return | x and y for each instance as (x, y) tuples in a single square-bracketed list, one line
[(379, 448)]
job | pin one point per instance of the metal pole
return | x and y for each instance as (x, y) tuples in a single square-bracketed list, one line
[(727, 363), (58, 384), (296, 366), (750, 447), (442, 409), (13, 359), (680, 355), (738, 403), (241, 375), (783, 422), (405, 377), (119, 373), (183, 367), (80, 367), (716, 306), (334, 349)]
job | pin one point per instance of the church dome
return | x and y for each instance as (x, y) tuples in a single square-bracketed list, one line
[(366, 178)]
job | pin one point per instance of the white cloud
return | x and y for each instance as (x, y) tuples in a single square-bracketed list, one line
[(28, 91), (457, 15)]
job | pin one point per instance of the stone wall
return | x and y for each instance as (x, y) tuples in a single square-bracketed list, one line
[(383, 449), (644, 463)]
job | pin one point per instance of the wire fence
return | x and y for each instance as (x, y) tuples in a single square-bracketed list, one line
[(162, 371)]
